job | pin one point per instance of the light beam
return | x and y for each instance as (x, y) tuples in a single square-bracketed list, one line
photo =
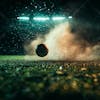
[(41, 18), (69, 17), (58, 18), (23, 18)]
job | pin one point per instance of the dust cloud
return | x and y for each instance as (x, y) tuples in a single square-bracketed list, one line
[(63, 44)]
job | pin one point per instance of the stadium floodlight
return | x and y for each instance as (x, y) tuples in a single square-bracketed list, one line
[(41, 18), (69, 17), (58, 18), (23, 18)]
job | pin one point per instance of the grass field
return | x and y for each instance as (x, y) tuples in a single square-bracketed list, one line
[(46, 80), (19, 57), (11, 57)]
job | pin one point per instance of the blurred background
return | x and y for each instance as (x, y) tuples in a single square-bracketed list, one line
[(19, 23)]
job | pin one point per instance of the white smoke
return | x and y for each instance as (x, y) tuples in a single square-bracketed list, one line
[(65, 45)]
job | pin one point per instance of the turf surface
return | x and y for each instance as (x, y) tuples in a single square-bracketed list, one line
[(46, 80)]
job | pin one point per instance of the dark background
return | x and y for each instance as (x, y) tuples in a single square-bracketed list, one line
[(14, 34)]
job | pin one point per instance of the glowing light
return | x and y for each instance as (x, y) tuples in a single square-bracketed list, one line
[(23, 18), (41, 18), (69, 17), (58, 18)]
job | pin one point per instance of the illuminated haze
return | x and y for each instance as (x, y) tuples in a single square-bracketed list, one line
[(63, 44)]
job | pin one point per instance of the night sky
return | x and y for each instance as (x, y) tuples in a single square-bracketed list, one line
[(14, 34)]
